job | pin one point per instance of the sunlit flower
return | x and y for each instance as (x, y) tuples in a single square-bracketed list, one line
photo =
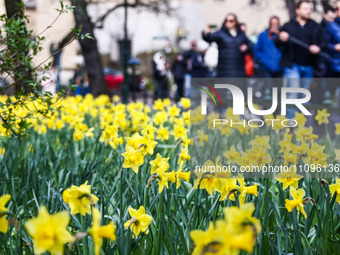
[(49, 232), (80, 199), (237, 232), (99, 232), (297, 202), (208, 242), (335, 188), (139, 221), (159, 164), (225, 186), (181, 175), (3, 212), (132, 158)]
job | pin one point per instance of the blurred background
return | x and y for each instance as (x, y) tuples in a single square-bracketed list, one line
[(128, 34)]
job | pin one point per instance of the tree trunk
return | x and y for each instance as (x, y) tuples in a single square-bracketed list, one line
[(291, 8), (90, 50), (14, 7)]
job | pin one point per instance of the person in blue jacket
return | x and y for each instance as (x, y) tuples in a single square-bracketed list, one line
[(333, 34), (267, 55)]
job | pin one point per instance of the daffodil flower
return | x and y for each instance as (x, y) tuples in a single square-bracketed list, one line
[(322, 116), (288, 179), (49, 232), (159, 164), (3, 212), (335, 188), (139, 221), (181, 175), (132, 158), (80, 199), (99, 232), (297, 202)]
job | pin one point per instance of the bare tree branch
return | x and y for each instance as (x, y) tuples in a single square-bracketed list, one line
[(155, 6)]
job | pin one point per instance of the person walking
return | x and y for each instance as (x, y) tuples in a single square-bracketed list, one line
[(232, 46)]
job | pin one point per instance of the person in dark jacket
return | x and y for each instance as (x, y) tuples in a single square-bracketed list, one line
[(267, 55), (232, 44), (178, 70), (301, 39), (297, 61)]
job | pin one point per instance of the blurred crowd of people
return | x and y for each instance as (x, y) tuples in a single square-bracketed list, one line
[(300, 48)]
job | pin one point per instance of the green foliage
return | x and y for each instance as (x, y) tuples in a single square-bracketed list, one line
[(45, 165), (19, 74)]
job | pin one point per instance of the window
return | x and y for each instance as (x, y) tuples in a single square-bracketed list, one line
[(30, 4)]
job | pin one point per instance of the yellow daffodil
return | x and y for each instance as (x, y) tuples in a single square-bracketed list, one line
[(237, 232), (185, 102), (181, 175), (99, 232), (261, 141), (3, 212), (322, 116), (206, 181), (159, 164), (202, 137), (242, 226), (162, 133), (49, 232), (80, 199), (232, 155), (315, 155), (244, 190), (300, 118), (184, 155), (337, 129), (208, 242), (132, 158), (297, 202), (335, 188), (337, 155), (171, 176), (139, 221), (288, 179), (142, 143), (224, 186)]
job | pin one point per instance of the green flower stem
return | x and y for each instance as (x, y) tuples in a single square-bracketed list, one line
[(145, 202), (84, 240), (158, 233), (121, 213)]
